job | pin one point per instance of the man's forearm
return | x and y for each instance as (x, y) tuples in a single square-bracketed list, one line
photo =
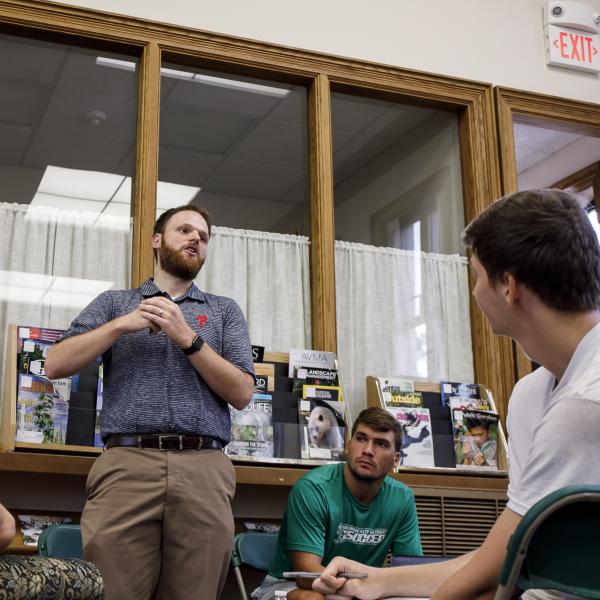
[(227, 381), (420, 580), (73, 354)]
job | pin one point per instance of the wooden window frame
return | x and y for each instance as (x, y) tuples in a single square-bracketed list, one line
[(541, 110), (473, 102)]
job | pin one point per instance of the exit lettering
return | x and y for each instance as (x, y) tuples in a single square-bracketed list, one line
[(575, 46)]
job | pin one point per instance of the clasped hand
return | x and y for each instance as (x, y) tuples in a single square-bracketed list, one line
[(165, 315)]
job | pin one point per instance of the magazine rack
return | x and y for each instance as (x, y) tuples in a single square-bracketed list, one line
[(280, 359), (441, 429), (8, 414)]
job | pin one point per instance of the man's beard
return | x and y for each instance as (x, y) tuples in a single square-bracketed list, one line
[(361, 477), (177, 264)]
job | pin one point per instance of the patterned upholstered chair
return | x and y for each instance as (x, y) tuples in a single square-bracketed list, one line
[(45, 578)]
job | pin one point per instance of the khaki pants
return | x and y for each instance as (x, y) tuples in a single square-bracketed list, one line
[(159, 524)]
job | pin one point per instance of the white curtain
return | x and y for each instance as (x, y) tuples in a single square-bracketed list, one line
[(268, 275), (400, 313), (53, 262)]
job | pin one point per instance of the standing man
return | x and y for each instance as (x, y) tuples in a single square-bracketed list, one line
[(536, 261), (158, 521), (350, 508)]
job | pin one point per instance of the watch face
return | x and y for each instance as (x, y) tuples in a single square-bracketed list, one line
[(197, 344)]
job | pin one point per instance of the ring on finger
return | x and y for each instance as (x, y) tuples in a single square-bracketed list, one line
[(160, 312)]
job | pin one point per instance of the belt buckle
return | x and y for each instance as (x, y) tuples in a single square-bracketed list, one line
[(167, 438)]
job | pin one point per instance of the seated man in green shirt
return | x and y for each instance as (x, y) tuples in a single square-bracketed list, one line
[(350, 509)]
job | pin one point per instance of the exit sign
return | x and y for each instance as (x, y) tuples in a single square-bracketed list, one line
[(572, 48)]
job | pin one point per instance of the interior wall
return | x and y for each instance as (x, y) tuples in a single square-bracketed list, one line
[(430, 151), (495, 41)]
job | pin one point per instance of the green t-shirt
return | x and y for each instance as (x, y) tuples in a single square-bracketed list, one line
[(323, 518)]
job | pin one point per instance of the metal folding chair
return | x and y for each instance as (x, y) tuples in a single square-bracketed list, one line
[(61, 541), (255, 550), (556, 545)]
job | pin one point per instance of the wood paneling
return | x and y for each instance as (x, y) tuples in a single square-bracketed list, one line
[(514, 106), (144, 200), (322, 229)]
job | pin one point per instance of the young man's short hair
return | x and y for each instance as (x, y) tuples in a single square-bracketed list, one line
[(379, 420), (161, 222), (546, 241)]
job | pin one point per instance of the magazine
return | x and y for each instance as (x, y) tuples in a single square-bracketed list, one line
[(267, 371), (311, 376), (316, 359), (449, 389), (99, 401), (42, 412), (417, 438), (396, 385), (331, 393), (411, 400), (252, 428), (32, 526), (475, 439), (321, 428)]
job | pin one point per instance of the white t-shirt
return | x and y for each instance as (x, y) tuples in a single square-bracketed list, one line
[(554, 432)]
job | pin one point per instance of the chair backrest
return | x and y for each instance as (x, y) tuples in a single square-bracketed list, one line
[(255, 550), (556, 545), (61, 541)]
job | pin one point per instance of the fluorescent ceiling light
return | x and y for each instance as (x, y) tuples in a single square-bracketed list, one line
[(232, 84), (95, 195), (125, 65), (49, 290), (79, 183), (222, 82)]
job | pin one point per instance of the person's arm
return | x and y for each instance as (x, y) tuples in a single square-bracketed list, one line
[(72, 354), (230, 383), (473, 576), (306, 561), (7, 528)]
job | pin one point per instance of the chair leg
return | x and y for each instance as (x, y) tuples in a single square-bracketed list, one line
[(240, 580)]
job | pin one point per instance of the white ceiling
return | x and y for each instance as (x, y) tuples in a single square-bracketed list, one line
[(230, 142), (233, 144), (535, 144)]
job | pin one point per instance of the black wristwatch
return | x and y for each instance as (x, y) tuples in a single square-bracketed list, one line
[(196, 346)]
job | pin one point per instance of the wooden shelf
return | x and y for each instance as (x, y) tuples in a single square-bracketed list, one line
[(60, 464)]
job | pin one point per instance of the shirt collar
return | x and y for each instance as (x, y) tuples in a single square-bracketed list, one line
[(150, 289)]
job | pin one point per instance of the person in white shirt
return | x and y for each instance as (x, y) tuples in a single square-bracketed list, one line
[(536, 261)]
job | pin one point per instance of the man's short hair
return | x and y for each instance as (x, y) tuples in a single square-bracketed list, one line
[(379, 420), (474, 422), (161, 222), (546, 241)]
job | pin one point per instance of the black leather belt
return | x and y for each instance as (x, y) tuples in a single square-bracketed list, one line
[(167, 441)]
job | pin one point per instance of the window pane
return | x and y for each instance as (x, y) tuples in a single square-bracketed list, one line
[(67, 148), (401, 281), (237, 146)]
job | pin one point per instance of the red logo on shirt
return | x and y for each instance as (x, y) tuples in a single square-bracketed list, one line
[(201, 319)]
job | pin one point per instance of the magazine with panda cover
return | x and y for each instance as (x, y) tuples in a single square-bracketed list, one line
[(322, 428), (252, 428), (417, 438)]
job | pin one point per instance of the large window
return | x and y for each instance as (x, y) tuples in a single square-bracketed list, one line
[(402, 291), (238, 146), (67, 154)]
